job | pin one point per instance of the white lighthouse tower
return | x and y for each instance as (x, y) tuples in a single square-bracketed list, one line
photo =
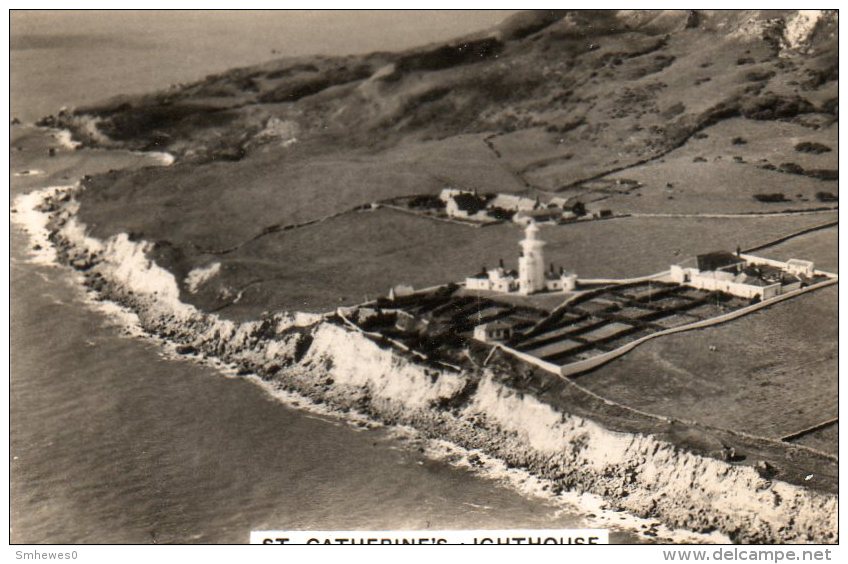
[(531, 262)]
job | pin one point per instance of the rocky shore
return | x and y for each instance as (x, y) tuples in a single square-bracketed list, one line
[(317, 357)]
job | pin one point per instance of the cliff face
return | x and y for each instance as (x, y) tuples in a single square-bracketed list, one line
[(317, 357)]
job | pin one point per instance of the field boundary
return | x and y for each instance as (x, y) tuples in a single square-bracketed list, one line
[(785, 238), (808, 430), (738, 215)]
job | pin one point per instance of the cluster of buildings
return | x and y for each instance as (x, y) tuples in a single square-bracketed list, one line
[(532, 275), (466, 204), (744, 276)]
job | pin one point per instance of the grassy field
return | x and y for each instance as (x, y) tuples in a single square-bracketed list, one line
[(363, 254), (772, 373), (818, 246), (826, 439), (193, 202), (547, 301)]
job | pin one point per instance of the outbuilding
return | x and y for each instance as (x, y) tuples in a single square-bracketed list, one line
[(493, 332)]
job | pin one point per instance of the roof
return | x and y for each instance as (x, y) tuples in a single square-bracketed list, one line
[(494, 325), (718, 260), (542, 212), (800, 262), (565, 203), (511, 201)]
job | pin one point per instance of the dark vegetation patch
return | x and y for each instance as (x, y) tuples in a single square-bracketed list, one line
[(812, 147), (817, 78), (448, 56), (771, 106), (294, 69), (426, 201), (794, 168), (294, 90), (130, 123), (759, 75), (524, 24), (827, 197), (772, 198)]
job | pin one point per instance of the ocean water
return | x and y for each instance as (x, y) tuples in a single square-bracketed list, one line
[(114, 442)]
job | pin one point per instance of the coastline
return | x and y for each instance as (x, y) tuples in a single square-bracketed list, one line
[(342, 372)]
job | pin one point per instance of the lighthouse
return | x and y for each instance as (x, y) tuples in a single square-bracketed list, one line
[(531, 262)]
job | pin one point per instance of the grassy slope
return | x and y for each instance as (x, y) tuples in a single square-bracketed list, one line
[(361, 254), (773, 372)]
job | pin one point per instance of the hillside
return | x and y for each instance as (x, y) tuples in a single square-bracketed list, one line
[(705, 109)]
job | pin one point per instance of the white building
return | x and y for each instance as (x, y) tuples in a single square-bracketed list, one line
[(561, 281), (801, 267), (541, 215), (513, 202), (495, 280), (742, 276), (492, 332), (452, 207), (400, 291), (531, 262)]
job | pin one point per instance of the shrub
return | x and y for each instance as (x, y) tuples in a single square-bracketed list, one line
[(758, 75), (501, 213), (739, 141), (426, 201), (771, 106), (771, 198), (470, 203), (823, 174), (831, 106), (827, 197), (791, 168), (809, 147)]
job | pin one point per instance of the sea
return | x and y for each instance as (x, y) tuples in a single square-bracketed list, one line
[(113, 440)]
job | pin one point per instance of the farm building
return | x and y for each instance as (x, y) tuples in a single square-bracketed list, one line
[(742, 276), (400, 291), (514, 203), (495, 331), (801, 267), (462, 203), (570, 205), (541, 215)]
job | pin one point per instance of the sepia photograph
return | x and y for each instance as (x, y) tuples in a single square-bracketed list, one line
[(419, 277)]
